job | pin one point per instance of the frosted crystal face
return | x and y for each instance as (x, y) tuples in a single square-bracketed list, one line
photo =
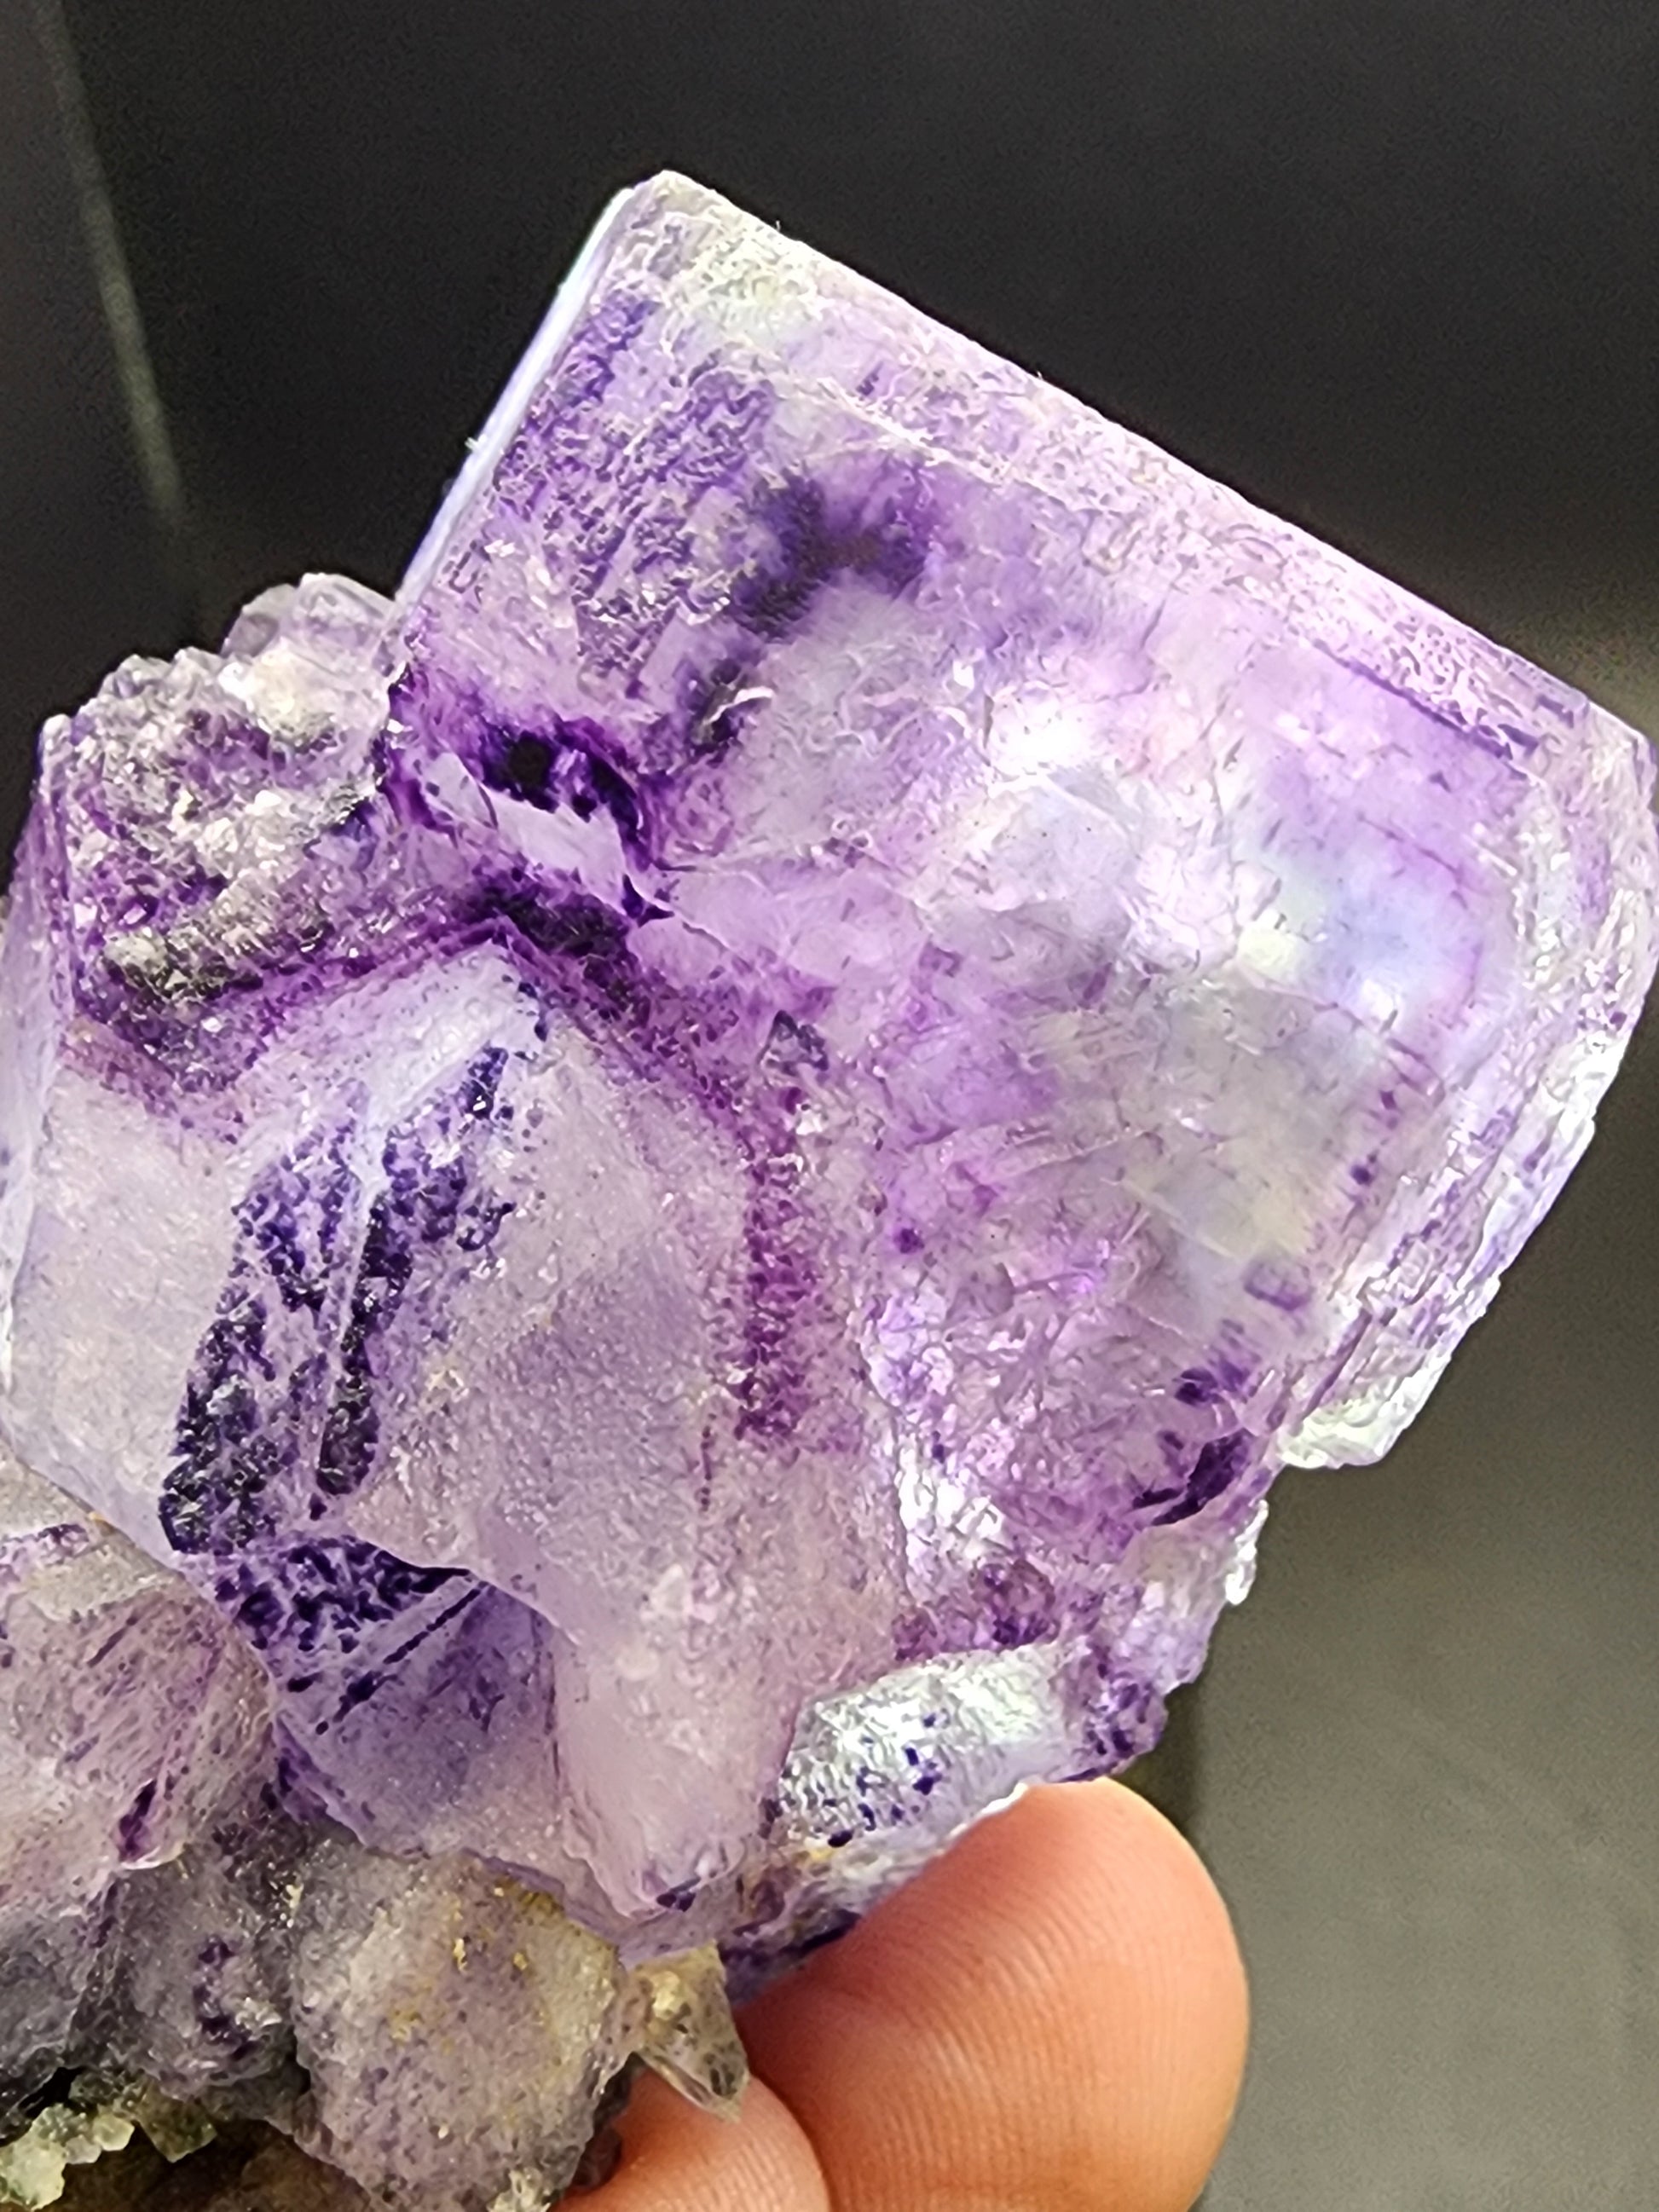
[(176, 1949), (695, 1177)]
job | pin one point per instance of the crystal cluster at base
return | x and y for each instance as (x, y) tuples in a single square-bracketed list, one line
[(665, 1207), (181, 1948)]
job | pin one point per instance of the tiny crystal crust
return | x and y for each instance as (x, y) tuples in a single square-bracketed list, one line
[(665, 1207)]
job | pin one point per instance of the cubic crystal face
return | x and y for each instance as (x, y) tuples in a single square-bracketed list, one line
[(695, 1177)]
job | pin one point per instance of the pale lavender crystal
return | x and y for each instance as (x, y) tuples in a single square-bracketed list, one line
[(699, 1174), (174, 1940)]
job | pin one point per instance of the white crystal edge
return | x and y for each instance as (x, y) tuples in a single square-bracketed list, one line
[(509, 409)]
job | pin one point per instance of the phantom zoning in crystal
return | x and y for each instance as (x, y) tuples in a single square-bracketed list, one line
[(664, 1208)]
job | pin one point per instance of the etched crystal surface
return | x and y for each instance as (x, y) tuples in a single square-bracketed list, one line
[(693, 1179), (177, 1948)]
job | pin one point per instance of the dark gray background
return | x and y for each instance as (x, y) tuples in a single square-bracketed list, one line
[(1393, 270)]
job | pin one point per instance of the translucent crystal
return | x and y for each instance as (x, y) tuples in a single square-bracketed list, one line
[(693, 1179), (177, 1949)]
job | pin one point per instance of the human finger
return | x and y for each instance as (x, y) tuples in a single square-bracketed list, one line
[(676, 2159), (1052, 2016)]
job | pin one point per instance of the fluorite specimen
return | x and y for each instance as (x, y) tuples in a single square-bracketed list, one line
[(692, 1181)]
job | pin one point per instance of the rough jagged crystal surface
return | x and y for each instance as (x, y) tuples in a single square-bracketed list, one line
[(178, 1947), (693, 1179)]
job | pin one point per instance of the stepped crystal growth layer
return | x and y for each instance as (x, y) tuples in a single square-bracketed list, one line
[(667, 1205)]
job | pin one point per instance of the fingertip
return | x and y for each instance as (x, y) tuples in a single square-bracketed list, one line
[(1057, 2005), (677, 2159)]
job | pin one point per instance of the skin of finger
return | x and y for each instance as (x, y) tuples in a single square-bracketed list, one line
[(1051, 2018), (676, 2159)]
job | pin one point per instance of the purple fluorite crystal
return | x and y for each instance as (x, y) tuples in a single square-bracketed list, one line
[(695, 1178)]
